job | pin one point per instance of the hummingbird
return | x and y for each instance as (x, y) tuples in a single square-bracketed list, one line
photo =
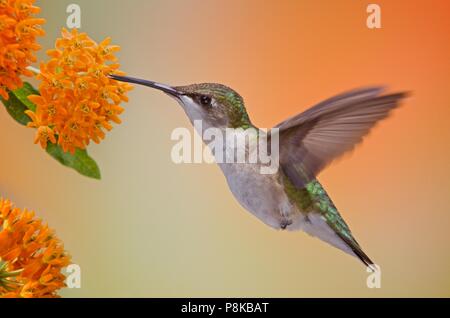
[(292, 198)]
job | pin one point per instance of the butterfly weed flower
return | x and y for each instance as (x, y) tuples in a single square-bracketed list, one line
[(18, 32), (31, 256), (78, 101)]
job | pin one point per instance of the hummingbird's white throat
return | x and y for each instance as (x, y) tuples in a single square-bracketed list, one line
[(227, 146)]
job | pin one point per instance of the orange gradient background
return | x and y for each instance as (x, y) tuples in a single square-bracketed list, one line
[(151, 228)]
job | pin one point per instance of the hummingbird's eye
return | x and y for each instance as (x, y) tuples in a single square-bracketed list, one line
[(205, 100)]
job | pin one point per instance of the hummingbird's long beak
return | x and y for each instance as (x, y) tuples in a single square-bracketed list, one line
[(162, 87)]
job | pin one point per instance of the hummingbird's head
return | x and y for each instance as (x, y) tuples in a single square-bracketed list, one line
[(216, 105)]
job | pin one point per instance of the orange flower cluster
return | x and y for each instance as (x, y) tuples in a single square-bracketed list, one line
[(31, 257), (18, 32), (78, 100)]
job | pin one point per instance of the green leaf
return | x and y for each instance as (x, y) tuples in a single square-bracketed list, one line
[(22, 95), (18, 103), (80, 161), (16, 109), (16, 106)]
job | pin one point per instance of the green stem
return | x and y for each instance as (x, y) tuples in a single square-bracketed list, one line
[(34, 70)]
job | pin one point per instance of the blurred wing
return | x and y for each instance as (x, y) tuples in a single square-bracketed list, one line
[(312, 140)]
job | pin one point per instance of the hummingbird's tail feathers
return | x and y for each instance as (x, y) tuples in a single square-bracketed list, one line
[(357, 250), (325, 222), (317, 226)]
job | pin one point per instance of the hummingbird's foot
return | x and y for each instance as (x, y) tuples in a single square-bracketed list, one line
[(307, 219), (285, 223)]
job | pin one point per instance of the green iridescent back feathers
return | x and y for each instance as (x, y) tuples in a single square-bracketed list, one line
[(314, 199)]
